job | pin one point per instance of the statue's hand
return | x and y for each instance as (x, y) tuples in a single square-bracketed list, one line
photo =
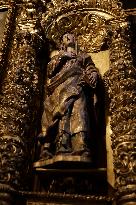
[(93, 79), (89, 79)]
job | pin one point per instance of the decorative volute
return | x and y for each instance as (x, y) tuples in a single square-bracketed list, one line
[(89, 20)]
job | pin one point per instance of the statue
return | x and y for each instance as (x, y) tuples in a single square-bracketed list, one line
[(71, 82)]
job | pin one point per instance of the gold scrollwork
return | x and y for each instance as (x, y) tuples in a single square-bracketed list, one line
[(90, 29), (87, 19)]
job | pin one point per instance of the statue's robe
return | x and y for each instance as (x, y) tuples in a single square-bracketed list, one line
[(66, 103)]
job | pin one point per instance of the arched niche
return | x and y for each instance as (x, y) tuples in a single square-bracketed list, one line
[(112, 32), (101, 30)]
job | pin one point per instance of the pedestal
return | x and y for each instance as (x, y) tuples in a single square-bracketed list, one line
[(70, 185)]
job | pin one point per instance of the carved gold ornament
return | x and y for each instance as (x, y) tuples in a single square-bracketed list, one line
[(87, 20)]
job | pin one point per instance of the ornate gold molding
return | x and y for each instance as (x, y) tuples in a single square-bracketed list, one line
[(120, 83), (20, 95), (21, 85), (88, 20), (131, 12)]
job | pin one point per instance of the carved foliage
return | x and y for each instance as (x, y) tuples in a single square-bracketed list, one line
[(90, 29), (7, 38), (12, 157), (121, 83), (86, 19), (20, 102), (61, 6)]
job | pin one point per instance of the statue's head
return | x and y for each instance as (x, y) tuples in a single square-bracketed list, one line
[(68, 40)]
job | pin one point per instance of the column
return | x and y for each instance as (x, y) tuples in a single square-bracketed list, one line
[(21, 96), (120, 83)]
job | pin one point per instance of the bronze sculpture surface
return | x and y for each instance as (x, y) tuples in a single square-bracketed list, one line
[(71, 82)]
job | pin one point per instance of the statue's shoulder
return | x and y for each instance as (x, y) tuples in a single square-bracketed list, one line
[(86, 58), (84, 55)]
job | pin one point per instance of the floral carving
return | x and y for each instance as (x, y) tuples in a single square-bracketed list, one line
[(21, 74), (86, 19), (12, 157), (20, 95), (120, 82)]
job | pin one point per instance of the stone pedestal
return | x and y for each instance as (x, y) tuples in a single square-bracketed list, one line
[(70, 186)]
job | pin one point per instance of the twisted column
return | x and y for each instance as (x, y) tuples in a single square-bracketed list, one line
[(20, 100), (121, 82)]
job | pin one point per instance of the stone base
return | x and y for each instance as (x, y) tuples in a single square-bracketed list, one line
[(63, 158), (73, 181), (72, 203), (69, 199)]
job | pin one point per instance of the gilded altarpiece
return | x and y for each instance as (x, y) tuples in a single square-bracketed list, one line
[(30, 29)]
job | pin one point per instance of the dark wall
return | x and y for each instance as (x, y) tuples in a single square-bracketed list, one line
[(129, 4), (130, 7), (132, 20)]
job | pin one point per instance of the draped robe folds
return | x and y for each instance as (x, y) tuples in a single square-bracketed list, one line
[(65, 101)]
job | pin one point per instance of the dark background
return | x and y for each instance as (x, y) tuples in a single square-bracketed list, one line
[(128, 4)]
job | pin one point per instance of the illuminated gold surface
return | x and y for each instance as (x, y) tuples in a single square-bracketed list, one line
[(120, 81), (102, 62), (2, 24), (88, 20)]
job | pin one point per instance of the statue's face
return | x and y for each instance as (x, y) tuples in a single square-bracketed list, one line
[(69, 39)]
